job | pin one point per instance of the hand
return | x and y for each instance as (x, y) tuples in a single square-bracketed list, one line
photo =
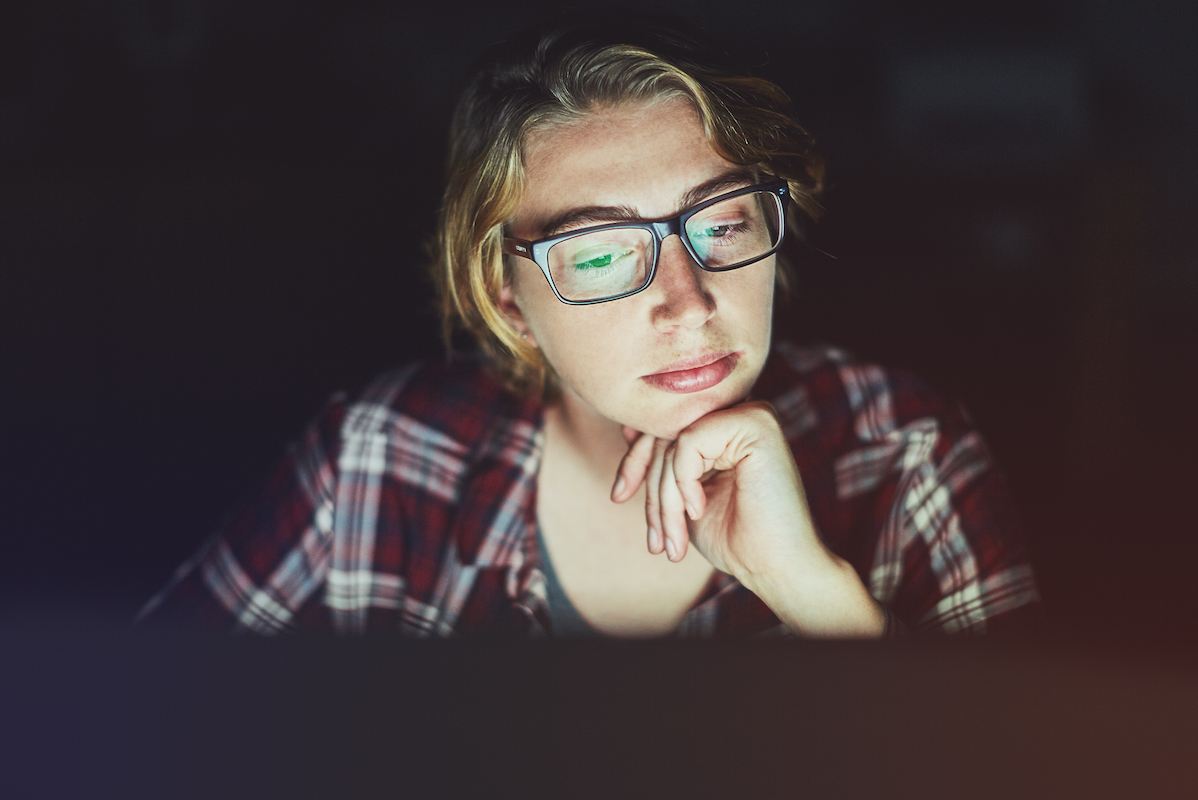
[(729, 485), (732, 474)]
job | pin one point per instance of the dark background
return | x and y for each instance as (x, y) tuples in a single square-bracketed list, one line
[(213, 215)]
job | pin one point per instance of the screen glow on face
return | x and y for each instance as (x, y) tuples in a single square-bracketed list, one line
[(636, 174)]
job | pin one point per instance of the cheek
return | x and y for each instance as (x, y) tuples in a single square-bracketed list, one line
[(573, 339), (750, 299), (585, 348)]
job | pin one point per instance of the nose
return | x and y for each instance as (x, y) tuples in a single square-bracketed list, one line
[(682, 299)]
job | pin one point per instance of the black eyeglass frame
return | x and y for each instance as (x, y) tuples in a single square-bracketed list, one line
[(538, 251)]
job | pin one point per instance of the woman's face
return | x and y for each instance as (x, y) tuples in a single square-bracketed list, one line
[(693, 341)]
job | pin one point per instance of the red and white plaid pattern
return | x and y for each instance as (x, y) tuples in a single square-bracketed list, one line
[(412, 509)]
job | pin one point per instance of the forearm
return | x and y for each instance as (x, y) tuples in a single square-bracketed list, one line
[(824, 600)]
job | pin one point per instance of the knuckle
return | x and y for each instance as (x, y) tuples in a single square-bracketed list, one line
[(764, 415)]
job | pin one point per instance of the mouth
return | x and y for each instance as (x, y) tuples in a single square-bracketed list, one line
[(694, 374)]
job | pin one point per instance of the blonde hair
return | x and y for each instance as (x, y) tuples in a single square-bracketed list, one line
[(548, 78)]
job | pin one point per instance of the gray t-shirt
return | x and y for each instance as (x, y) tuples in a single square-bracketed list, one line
[(563, 616)]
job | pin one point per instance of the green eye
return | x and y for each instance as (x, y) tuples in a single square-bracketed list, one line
[(599, 261)]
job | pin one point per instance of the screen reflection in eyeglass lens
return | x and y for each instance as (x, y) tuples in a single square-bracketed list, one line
[(617, 261)]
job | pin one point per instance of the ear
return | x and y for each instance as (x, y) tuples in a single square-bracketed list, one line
[(515, 315)]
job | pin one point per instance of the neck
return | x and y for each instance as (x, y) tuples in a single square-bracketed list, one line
[(596, 440)]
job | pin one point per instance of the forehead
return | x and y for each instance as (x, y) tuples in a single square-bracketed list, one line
[(640, 155)]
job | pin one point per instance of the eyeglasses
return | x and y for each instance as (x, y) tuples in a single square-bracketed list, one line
[(607, 262)]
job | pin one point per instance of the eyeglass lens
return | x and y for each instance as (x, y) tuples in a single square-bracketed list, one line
[(608, 263)]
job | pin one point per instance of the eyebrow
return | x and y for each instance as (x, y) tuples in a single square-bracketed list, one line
[(735, 178)]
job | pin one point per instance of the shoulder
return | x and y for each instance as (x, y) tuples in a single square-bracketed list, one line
[(902, 486), (845, 401), (451, 405)]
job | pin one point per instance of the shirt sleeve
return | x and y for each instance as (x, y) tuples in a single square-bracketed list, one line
[(934, 532), (967, 566), (261, 569)]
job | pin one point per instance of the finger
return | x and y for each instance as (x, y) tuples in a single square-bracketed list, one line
[(690, 467), (652, 505), (630, 434), (703, 449), (673, 514), (632, 468)]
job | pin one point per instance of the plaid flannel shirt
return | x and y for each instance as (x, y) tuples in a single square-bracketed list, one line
[(413, 509)]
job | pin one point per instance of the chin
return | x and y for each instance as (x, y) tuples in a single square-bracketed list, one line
[(671, 421)]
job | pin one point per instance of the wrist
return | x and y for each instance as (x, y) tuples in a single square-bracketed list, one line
[(819, 596)]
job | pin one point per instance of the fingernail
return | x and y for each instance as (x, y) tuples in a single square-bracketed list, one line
[(670, 548), (654, 539), (619, 490), (690, 511)]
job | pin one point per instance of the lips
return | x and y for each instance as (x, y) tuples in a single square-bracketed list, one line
[(694, 374)]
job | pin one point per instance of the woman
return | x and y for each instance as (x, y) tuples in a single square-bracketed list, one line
[(629, 455)]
